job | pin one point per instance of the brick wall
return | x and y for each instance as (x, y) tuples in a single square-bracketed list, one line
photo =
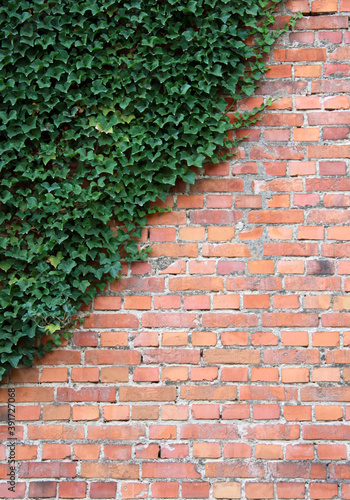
[(220, 367)]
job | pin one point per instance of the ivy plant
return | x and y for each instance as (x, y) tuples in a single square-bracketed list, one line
[(104, 105)]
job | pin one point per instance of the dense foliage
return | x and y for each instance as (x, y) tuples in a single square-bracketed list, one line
[(104, 104)]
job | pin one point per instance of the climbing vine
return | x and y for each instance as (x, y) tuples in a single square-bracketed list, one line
[(104, 104)]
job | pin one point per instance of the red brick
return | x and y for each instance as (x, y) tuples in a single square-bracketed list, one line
[(56, 451), (278, 201), (325, 394), (297, 470), (25, 452), (266, 393), (217, 185), (261, 266), (56, 412), (85, 374), (297, 413), (177, 356), (215, 217), (305, 135), (175, 320), (138, 285), (147, 451), (112, 339), (104, 490), (140, 268), (174, 339), (141, 302), (134, 490), (202, 266), (264, 374), (165, 490), (195, 490), (266, 412), (117, 374), (47, 470), (307, 102), (27, 413), (177, 267), (300, 452), (210, 393), (204, 373), (227, 490), (169, 470), (269, 451), (158, 432), (290, 490), (221, 168), (196, 302), (115, 432), (174, 451), (223, 250), (276, 217), (175, 373), (224, 320), (299, 54), (328, 413), (256, 301), (291, 356), (174, 412), (291, 249), (295, 338), (192, 233), (146, 374), (167, 302), (41, 489), (110, 470), (86, 394), (248, 201), (279, 71), (317, 301), (147, 393), (86, 451), (322, 490), (226, 302), (264, 338), (259, 490), (306, 71), (29, 394), (289, 319), (229, 374), (286, 302), (206, 411), (107, 303), (344, 6), (233, 469), (320, 339), (235, 411), (145, 412), (190, 201), (237, 450), (280, 233), (234, 338), (322, 22), (332, 451)]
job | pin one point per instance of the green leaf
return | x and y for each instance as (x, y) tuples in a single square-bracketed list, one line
[(55, 260)]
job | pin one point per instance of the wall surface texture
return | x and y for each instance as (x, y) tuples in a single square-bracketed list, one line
[(220, 367)]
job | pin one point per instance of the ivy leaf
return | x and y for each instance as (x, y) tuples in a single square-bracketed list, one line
[(55, 260)]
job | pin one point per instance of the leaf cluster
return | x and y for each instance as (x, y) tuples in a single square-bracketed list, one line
[(104, 105)]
